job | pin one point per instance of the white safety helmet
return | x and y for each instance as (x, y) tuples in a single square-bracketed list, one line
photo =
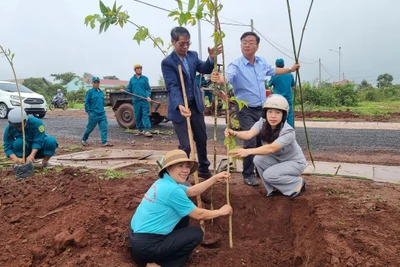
[(276, 101), (58, 90), (15, 119)]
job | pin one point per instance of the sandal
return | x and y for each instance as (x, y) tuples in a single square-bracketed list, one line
[(251, 181), (48, 165), (297, 193), (84, 143), (139, 133)]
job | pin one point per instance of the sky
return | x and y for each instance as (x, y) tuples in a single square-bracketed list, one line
[(49, 36)]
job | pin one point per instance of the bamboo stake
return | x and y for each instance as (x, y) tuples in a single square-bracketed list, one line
[(228, 202), (298, 76), (215, 94), (192, 147), (20, 99)]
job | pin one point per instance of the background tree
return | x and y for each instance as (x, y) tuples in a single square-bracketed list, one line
[(384, 80), (40, 86), (161, 81), (37, 85), (64, 78), (87, 75), (364, 84), (110, 77)]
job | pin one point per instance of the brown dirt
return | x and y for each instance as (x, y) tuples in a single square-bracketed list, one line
[(68, 217)]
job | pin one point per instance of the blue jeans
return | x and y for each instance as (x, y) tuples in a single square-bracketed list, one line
[(93, 120), (142, 115), (49, 147)]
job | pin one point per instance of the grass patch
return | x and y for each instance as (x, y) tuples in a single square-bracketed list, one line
[(341, 193), (363, 108), (112, 174), (322, 119)]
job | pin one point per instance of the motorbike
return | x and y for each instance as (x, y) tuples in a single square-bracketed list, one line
[(58, 103)]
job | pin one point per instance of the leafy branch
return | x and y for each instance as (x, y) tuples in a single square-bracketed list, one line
[(114, 16)]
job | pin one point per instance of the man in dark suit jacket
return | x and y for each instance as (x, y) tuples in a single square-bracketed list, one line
[(177, 113)]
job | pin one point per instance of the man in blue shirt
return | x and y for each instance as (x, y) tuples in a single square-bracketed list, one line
[(283, 85), (94, 107), (139, 85), (247, 75), (37, 143)]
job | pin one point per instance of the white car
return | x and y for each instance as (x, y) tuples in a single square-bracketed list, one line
[(32, 102)]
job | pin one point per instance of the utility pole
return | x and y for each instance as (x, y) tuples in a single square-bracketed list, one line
[(199, 34), (339, 62), (251, 25), (319, 72)]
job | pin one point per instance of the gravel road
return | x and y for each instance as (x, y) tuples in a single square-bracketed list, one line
[(322, 140)]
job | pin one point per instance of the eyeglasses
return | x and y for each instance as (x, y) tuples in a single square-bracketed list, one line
[(183, 44), (244, 43)]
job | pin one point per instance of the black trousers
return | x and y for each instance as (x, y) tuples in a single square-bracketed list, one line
[(199, 135), (247, 117), (170, 250)]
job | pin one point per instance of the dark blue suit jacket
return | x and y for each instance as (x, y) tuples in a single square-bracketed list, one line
[(169, 68)]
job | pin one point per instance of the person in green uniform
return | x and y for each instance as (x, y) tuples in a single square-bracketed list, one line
[(283, 85)]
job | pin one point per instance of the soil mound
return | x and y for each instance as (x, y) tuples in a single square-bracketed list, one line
[(68, 217)]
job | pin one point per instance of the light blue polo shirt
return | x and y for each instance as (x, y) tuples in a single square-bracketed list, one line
[(248, 80), (162, 207)]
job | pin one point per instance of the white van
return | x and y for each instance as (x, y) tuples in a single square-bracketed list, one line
[(32, 102)]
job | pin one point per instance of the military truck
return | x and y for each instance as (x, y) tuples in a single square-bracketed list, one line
[(122, 106)]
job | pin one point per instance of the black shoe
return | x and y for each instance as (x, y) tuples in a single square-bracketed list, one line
[(303, 188), (205, 175), (274, 192), (251, 181)]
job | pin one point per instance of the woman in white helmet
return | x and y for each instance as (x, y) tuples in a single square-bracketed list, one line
[(280, 160)]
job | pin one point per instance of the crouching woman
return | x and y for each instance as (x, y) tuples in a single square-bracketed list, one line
[(280, 160), (160, 234)]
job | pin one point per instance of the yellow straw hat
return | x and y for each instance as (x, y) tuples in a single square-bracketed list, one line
[(137, 66), (176, 156)]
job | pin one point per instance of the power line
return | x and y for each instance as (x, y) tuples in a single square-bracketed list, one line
[(232, 24), (281, 50), (325, 69)]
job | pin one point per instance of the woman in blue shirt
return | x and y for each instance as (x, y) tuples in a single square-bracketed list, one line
[(160, 234)]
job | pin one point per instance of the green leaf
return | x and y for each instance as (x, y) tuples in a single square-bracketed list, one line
[(182, 20), (12, 56), (173, 13), (101, 27), (159, 40), (115, 7), (107, 25), (88, 19), (103, 8), (121, 23), (92, 24), (179, 5), (191, 5), (119, 8)]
